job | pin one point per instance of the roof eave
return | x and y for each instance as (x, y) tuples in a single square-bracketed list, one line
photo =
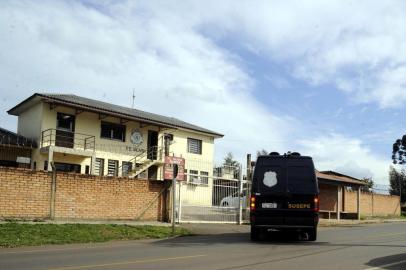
[(13, 110), (45, 98), (336, 181)]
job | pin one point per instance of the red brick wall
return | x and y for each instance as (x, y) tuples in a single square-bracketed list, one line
[(371, 204), (26, 194), (94, 197), (328, 197)]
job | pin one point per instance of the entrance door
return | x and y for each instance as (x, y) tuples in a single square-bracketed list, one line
[(65, 128), (152, 144)]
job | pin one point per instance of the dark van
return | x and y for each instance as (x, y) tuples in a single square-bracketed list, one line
[(285, 195)]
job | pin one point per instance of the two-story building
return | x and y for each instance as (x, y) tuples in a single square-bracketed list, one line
[(77, 134)]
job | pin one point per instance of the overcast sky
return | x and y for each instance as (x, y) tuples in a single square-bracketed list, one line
[(325, 78)]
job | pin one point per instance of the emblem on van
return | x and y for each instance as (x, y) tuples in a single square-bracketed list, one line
[(270, 179)]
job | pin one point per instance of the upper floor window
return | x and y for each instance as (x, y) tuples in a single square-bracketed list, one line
[(194, 146), (112, 131)]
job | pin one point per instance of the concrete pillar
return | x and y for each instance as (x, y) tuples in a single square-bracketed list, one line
[(359, 203), (338, 201), (92, 164), (50, 158), (249, 171)]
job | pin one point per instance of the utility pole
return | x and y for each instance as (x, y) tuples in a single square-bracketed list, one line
[(132, 106)]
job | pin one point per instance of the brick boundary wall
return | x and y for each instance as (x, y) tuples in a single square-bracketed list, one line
[(26, 194), (371, 204)]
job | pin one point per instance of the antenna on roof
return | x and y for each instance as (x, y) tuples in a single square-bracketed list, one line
[(132, 107)]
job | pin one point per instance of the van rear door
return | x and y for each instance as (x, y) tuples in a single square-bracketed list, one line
[(303, 189)]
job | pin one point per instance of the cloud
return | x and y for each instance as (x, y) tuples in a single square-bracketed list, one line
[(171, 56), (106, 52), (359, 47), (346, 155)]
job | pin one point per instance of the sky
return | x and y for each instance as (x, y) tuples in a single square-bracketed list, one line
[(323, 78)]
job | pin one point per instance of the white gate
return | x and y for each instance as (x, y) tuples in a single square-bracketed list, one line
[(221, 197)]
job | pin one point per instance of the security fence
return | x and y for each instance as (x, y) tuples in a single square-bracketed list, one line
[(217, 196)]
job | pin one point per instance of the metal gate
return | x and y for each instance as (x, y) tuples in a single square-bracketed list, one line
[(220, 197)]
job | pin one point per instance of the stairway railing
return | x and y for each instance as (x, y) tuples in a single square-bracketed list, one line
[(152, 153)]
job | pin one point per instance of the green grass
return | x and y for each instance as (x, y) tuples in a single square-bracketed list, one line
[(14, 234)]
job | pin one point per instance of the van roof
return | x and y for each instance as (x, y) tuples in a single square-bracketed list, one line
[(285, 156)]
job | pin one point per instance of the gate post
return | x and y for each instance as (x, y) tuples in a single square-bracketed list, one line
[(240, 187), (179, 203)]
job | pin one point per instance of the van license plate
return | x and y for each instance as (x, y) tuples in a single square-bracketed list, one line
[(269, 205)]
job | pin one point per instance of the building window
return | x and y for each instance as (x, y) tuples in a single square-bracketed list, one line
[(65, 122), (127, 168), (67, 167), (194, 177), (99, 167), (194, 146), (112, 168), (112, 131), (87, 169), (204, 178)]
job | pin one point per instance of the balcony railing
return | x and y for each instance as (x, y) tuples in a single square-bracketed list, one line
[(67, 139)]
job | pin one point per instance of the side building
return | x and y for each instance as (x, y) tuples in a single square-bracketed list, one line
[(77, 134)]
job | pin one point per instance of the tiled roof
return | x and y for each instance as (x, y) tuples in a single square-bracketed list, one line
[(12, 139), (124, 112), (338, 177)]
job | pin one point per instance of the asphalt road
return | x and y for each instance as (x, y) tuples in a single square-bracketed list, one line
[(379, 246)]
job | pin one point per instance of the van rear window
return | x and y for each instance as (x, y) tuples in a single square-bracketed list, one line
[(293, 179), (301, 179)]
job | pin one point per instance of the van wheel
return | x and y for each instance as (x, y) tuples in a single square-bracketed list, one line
[(255, 233), (312, 234)]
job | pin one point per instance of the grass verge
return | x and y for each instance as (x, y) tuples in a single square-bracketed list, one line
[(14, 234)]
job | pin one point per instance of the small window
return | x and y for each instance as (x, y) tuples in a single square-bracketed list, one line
[(112, 168), (127, 168), (67, 167), (87, 169), (194, 146), (194, 176), (112, 131), (204, 178), (65, 122), (99, 167)]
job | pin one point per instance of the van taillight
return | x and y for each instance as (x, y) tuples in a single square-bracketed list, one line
[(252, 203), (316, 207)]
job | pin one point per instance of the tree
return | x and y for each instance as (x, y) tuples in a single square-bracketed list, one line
[(262, 152), (229, 161), (231, 165), (399, 151), (369, 184), (397, 183)]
